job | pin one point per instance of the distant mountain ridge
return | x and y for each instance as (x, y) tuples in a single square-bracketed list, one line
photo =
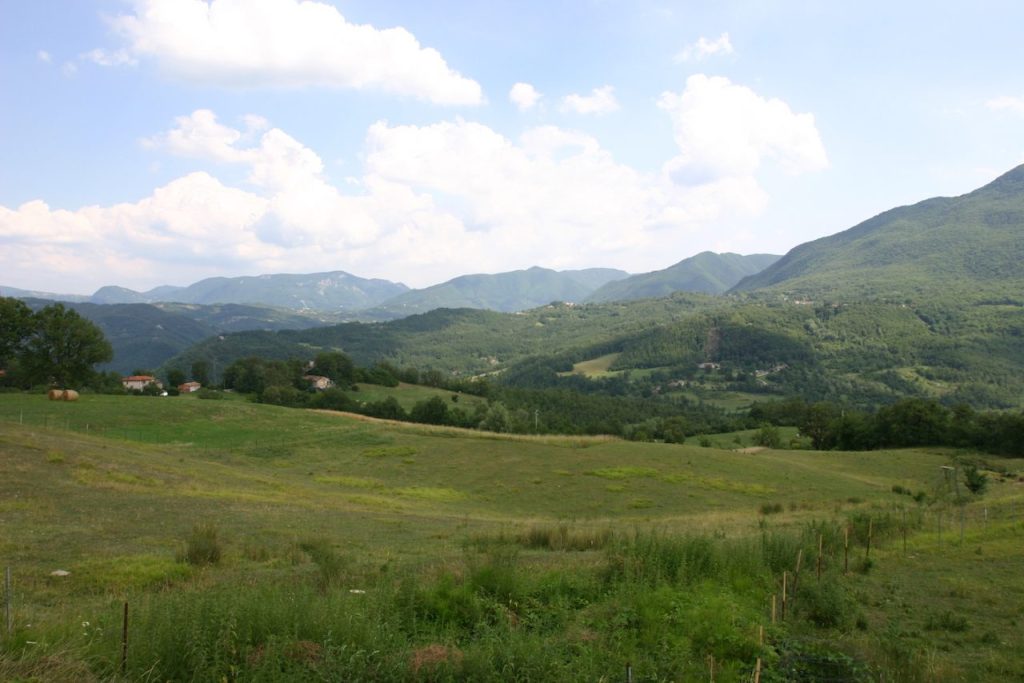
[(146, 335), (970, 243), (331, 291), (707, 272), (509, 292)]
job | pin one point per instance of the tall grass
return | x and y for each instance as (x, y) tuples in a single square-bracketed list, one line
[(663, 603)]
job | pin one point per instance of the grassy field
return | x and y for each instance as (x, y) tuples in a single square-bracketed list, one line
[(109, 488), (408, 395), (595, 367)]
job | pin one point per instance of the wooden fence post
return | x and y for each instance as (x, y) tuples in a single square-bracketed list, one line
[(124, 641), (774, 610), (867, 553), (8, 600), (846, 549), (820, 547), (903, 514), (785, 576)]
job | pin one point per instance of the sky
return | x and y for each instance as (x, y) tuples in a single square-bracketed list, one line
[(152, 142)]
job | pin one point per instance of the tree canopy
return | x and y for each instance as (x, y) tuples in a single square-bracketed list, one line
[(53, 346)]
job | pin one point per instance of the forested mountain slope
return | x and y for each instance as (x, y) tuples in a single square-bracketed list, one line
[(970, 247), (517, 290), (706, 272)]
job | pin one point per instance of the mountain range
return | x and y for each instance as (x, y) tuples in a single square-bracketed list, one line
[(359, 298), (706, 272)]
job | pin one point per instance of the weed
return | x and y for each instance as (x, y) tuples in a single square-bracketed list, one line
[(330, 565), (202, 546), (947, 621)]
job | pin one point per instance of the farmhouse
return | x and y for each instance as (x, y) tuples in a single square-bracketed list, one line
[(189, 387), (319, 382), (139, 382)]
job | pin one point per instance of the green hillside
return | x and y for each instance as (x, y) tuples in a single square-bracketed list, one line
[(969, 247), (509, 292), (146, 335), (359, 550), (706, 272), (457, 341)]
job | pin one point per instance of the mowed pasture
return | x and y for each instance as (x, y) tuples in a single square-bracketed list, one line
[(108, 488)]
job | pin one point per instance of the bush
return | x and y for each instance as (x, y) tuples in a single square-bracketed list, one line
[(202, 546), (825, 604), (975, 480), (331, 566)]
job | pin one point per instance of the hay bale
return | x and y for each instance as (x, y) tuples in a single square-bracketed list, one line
[(70, 395), (55, 394)]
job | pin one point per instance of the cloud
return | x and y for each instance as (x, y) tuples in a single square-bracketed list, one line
[(600, 101), (283, 43), (44, 56), (109, 57), (524, 96), (1006, 103), (727, 130), (429, 202), (705, 48)]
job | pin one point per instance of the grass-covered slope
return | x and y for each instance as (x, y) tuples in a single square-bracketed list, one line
[(706, 272), (967, 247), (357, 550), (509, 292)]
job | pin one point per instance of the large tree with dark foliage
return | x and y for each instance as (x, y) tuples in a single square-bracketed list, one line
[(63, 347)]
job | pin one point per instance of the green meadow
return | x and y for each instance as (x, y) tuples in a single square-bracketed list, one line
[(357, 549)]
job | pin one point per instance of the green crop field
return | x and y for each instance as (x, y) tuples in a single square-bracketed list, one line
[(481, 556)]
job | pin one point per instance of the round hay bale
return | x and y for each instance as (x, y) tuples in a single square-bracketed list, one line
[(70, 395), (55, 394)]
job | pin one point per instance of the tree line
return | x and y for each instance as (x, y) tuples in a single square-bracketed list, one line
[(903, 424)]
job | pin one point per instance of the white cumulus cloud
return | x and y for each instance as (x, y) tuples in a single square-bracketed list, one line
[(524, 96), (429, 202), (705, 48), (599, 101), (283, 43), (727, 130), (1007, 103)]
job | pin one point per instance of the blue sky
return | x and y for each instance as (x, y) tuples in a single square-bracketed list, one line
[(153, 142)]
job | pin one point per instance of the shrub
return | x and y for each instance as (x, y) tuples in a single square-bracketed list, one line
[(202, 545), (771, 508), (947, 621), (209, 394), (331, 566), (825, 604), (975, 480)]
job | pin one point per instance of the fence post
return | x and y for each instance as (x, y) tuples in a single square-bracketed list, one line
[(8, 599), (124, 641), (846, 549), (903, 513), (867, 553), (820, 546), (785, 577), (629, 673)]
